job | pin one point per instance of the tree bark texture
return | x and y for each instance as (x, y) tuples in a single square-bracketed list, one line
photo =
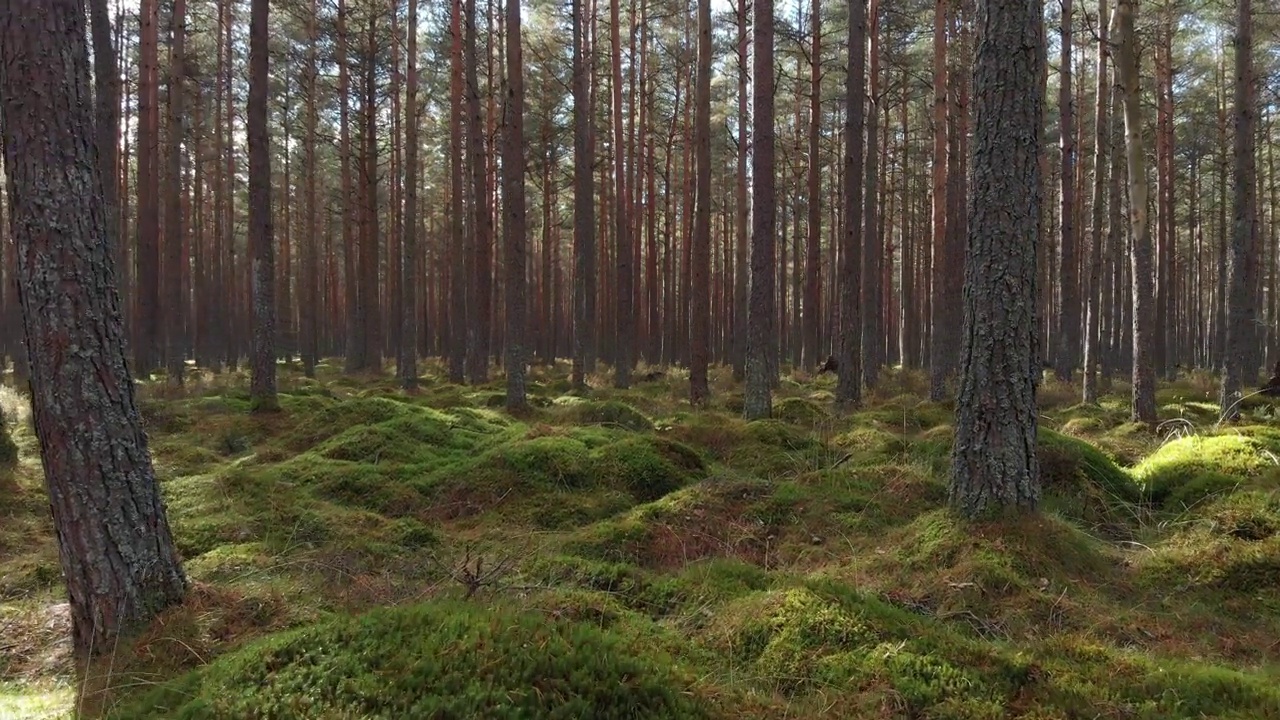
[(262, 390), (117, 554), (994, 466), (1240, 308), (758, 399)]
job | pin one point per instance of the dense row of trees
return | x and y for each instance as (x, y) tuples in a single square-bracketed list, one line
[(645, 150), (747, 189)]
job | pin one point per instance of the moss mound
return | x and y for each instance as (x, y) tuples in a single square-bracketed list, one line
[(435, 660), (1233, 545), (1082, 483), (800, 411), (1188, 469), (611, 413)]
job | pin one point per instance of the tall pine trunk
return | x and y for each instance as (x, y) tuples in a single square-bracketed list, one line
[(699, 326), (1144, 385), (262, 392), (515, 227), (116, 550), (993, 462), (758, 400), (1240, 308), (407, 364), (849, 335)]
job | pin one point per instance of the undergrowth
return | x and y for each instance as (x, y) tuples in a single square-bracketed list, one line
[(371, 553)]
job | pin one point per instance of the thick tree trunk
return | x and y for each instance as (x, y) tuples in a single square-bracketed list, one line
[(1144, 385), (261, 244), (994, 466), (117, 554), (1241, 254), (849, 334), (699, 329), (758, 401)]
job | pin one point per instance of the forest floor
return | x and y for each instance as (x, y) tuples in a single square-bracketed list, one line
[(619, 555)]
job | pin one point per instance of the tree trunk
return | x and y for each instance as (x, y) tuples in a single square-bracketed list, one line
[(370, 300), (459, 298), (699, 329), (623, 310), (849, 335), (741, 331), (1144, 385), (758, 401), (938, 353), (514, 229), (873, 249), (174, 232), (1067, 334), (1240, 308), (117, 554), (106, 80), (813, 256), (262, 393), (355, 344), (147, 315), (1101, 164), (993, 464), (584, 222), (479, 299), (407, 365), (310, 307)]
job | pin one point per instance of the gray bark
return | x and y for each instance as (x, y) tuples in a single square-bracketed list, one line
[(115, 547), (994, 466)]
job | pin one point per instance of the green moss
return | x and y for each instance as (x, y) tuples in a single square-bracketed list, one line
[(1082, 483), (435, 660), (631, 585), (1233, 545), (550, 461), (649, 467), (800, 411), (1184, 461), (612, 413)]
